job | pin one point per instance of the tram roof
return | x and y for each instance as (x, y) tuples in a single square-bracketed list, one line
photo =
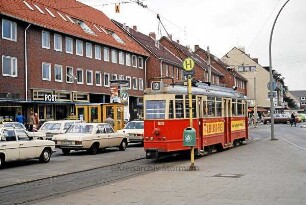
[(199, 89)]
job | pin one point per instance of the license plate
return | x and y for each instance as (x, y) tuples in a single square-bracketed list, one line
[(67, 142)]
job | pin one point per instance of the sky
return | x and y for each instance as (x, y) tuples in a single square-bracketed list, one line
[(224, 24)]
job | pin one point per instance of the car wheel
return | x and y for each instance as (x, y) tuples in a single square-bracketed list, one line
[(123, 145), (2, 161), (94, 149), (45, 156)]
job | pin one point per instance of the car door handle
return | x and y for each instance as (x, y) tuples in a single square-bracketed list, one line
[(20, 144), (3, 145)]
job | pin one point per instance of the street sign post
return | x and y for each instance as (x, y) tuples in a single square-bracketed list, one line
[(188, 65)]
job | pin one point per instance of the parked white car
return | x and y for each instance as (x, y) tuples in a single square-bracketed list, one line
[(16, 144), (51, 128), (90, 137), (18, 125), (135, 130)]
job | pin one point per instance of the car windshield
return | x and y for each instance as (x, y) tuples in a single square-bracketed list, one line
[(80, 128), (15, 125), (51, 126), (134, 125)]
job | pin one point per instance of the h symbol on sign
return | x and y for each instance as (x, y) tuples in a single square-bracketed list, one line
[(188, 64)]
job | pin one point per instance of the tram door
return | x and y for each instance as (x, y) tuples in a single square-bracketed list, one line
[(95, 114), (117, 113), (227, 116), (82, 112)]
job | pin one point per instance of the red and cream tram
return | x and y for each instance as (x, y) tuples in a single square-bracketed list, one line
[(219, 118)]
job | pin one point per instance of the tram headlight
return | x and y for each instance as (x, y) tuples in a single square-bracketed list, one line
[(151, 138)]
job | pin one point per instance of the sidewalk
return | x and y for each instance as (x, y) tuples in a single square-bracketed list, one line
[(262, 172)]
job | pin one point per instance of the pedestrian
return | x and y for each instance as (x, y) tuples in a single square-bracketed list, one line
[(36, 122), (110, 120), (31, 121), (20, 118), (292, 121)]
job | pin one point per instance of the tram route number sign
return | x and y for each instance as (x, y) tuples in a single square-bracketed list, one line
[(156, 85)]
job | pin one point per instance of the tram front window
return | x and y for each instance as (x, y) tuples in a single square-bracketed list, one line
[(155, 109)]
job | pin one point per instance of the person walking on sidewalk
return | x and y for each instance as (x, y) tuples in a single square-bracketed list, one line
[(292, 121)]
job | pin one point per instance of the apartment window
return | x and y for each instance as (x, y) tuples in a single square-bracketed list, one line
[(9, 30), (121, 77), (57, 42), (89, 77), (121, 58), (106, 54), (9, 66), (69, 74), (98, 78), (114, 76), (140, 85), (89, 50), (106, 79), (128, 59), (134, 61), (79, 76), (97, 52), (140, 62), (134, 83), (58, 73), (167, 70), (129, 79), (240, 69), (177, 73), (46, 71), (45, 39), (79, 47), (114, 56), (69, 45)]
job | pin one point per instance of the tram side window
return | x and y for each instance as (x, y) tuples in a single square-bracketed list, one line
[(211, 106), (234, 108), (219, 107), (155, 109), (179, 106), (205, 111), (239, 107), (194, 113), (171, 113)]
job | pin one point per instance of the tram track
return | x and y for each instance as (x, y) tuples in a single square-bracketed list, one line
[(33, 191)]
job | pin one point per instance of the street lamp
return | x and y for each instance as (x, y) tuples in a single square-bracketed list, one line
[(271, 75)]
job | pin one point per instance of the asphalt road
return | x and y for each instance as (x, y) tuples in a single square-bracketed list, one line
[(30, 181)]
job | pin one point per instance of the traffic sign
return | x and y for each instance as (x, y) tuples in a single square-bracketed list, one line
[(273, 85), (188, 64)]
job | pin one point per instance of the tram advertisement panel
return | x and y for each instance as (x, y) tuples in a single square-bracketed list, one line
[(238, 125), (210, 128)]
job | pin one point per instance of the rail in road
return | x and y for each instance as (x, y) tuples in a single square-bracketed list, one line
[(32, 191), (102, 169)]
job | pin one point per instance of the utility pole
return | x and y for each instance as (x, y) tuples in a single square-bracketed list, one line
[(209, 66), (271, 74), (255, 104)]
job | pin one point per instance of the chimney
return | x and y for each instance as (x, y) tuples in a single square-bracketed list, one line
[(178, 41), (170, 36), (152, 35), (135, 28), (196, 47), (255, 59)]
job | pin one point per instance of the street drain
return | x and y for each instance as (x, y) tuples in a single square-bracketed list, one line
[(229, 175)]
